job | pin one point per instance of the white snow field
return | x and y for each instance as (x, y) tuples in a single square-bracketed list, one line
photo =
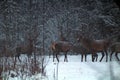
[(77, 70), (74, 69)]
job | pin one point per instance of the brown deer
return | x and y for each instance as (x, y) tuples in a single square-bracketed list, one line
[(27, 48), (95, 46), (60, 46), (24, 49)]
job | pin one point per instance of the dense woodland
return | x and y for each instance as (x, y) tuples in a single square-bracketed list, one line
[(36, 23), (43, 21)]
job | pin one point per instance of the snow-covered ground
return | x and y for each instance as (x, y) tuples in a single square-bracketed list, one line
[(77, 70), (74, 69)]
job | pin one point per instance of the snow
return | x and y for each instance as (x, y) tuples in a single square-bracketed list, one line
[(74, 69), (77, 70)]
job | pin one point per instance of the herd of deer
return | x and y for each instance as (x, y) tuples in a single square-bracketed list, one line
[(84, 46), (87, 46)]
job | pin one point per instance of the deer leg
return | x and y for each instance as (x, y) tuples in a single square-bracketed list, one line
[(92, 54), (106, 56), (102, 56), (96, 55), (18, 56), (116, 54), (81, 57), (53, 56), (111, 56), (92, 58), (85, 57), (57, 57), (65, 59)]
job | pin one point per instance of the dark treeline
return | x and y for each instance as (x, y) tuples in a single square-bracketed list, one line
[(44, 21)]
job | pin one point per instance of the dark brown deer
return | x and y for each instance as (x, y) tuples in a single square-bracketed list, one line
[(115, 48), (24, 49), (27, 48), (60, 46), (79, 49), (95, 46)]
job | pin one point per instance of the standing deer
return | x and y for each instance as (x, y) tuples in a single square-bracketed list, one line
[(60, 46), (95, 46), (24, 49), (27, 48)]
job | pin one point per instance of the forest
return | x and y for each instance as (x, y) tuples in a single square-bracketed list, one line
[(30, 26)]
